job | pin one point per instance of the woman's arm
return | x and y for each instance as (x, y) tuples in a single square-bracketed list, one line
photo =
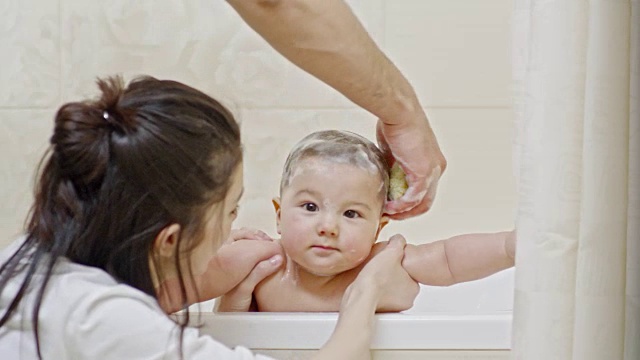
[(248, 254), (382, 278), (460, 258), (324, 38)]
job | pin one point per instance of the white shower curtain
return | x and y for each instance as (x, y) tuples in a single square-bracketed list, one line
[(577, 145)]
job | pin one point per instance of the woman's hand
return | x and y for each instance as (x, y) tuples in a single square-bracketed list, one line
[(413, 145), (246, 256), (384, 272), (381, 280), (240, 297)]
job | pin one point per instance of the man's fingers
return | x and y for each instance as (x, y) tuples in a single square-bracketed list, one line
[(399, 206), (420, 209)]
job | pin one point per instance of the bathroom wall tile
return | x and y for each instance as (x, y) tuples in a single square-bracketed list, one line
[(476, 142), (455, 53), (24, 136), (165, 39), (29, 39), (180, 40)]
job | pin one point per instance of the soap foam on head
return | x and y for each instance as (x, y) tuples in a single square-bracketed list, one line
[(340, 147)]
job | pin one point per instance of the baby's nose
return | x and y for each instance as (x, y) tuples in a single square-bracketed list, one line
[(328, 226)]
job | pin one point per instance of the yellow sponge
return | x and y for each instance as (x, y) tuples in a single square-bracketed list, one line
[(397, 182)]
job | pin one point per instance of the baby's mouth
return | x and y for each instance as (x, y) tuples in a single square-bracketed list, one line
[(323, 247)]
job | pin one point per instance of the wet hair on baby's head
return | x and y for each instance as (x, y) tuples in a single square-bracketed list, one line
[(342, 147)]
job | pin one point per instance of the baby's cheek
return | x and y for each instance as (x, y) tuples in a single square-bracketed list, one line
[(357, 254)]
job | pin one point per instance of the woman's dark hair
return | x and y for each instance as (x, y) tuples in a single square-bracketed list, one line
[(119, 170)]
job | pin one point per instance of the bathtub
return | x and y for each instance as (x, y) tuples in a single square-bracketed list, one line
[(472, 320)]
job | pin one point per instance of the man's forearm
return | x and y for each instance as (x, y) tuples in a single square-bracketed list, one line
[(324, 38)]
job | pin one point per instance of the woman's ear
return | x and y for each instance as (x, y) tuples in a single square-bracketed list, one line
[(384, 220), (276, 207), (166, 243)]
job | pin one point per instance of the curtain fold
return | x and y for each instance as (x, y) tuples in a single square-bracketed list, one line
[(576, 149)]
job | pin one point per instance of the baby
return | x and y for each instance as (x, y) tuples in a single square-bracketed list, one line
[(329, 214)]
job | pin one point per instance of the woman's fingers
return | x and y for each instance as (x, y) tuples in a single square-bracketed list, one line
[(240, 297), (248, 234), (397, 241), (260, 272), (396, 290), (232, 263)]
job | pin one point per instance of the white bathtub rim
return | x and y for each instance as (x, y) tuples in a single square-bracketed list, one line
[(439, 331)]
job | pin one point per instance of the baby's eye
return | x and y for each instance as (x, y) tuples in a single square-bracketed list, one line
[(351, 214), (310, 207)]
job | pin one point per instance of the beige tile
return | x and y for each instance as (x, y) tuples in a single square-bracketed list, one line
[(455, 53), (176, 40), (24, 136), (204, 44), (30, 60), (371, 13)]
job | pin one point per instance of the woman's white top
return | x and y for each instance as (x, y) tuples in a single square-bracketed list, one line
[(86, 314)]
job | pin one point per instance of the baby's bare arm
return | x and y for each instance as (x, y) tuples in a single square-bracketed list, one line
[(460, 258)]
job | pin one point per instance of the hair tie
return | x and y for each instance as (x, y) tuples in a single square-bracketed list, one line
[(105, 115)]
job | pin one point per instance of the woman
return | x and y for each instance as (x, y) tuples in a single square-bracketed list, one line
[(138, 193)]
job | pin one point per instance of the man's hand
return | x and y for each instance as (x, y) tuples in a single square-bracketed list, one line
[(414, 146)]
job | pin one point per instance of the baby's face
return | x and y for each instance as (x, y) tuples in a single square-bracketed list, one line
[(329, 216)]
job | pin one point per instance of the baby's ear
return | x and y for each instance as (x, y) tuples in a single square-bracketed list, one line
[(384, 220), (276, 207)]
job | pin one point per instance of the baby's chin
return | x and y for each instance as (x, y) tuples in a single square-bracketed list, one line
[(325, 270)]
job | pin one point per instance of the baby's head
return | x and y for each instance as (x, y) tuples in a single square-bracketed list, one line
[(333, 189)]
